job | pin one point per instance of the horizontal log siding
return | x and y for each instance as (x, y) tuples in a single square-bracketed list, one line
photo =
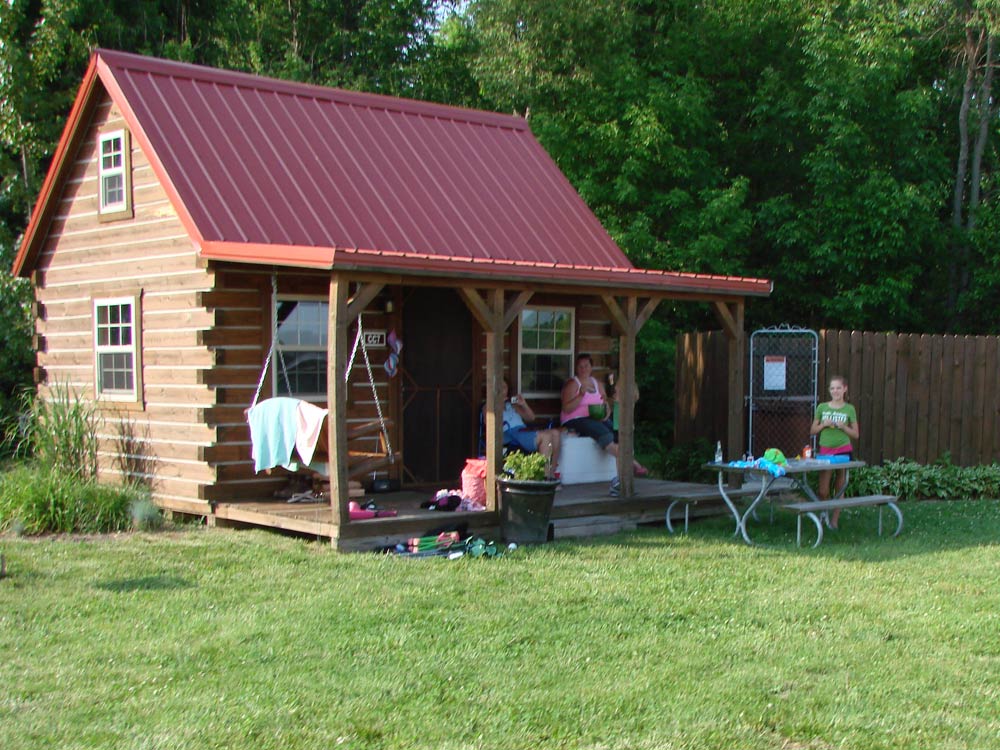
[(150, 255), (241, 303)]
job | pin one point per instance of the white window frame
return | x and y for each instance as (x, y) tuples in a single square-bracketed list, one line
[(123, 170), (132, 348), (522, 350), (277, 376)]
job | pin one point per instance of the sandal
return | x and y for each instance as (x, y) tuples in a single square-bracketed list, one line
[(641, 471)]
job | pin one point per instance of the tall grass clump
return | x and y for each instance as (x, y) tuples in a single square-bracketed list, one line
[(61, 432), (55, 490)]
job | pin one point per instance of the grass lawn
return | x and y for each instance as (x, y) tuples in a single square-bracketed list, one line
[(222, 639)]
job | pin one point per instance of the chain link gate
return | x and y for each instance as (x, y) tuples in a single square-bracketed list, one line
[(784, 364)]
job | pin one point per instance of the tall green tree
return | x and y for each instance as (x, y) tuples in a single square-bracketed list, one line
[(632, 127), (973, 25)]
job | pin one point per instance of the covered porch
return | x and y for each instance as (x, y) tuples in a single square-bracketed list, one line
[(579, 511), (496, 306)]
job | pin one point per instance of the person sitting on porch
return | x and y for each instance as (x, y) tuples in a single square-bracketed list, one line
[(584, 409), (516, 414)]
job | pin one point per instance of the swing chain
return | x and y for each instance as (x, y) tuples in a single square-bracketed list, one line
[(360, 340)]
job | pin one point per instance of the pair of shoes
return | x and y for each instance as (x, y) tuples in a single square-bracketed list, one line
[(641, 471), (616, 487), (826, 522)]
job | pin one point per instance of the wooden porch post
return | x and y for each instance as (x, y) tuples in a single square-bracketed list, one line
[(731, 316), (628, 322), (495, 316), (336, 363), (343, 308)]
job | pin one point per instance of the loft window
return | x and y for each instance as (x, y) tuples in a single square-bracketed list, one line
[(546, 349), (115, 353), (113, 172), (298, 367)]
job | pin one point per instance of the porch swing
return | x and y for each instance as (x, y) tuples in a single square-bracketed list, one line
[(303, 426)]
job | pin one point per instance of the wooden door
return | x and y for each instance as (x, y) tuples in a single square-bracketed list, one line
[(436, 383)]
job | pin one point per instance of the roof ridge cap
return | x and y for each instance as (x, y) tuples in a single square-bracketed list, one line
[(239, 78)]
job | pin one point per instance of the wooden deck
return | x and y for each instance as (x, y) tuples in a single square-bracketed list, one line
[(579, 510)]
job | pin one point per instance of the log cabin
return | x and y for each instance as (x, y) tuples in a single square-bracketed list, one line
[(207, 238)]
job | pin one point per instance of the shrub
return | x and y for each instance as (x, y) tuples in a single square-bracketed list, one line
[(941, 480), (16, 354), (145, 515), (683, 463), (39, 499)]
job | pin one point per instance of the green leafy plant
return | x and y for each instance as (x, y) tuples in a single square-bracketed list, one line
[(941, 480), (684, 463), (526, 466)]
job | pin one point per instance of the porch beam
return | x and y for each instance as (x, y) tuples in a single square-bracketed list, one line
[(490, 310), (336, 398), (363, 296), (648, 308), (626, 398), (514, 308), (618, 319), (494, 404), (732, 316), (627, 318), (478, 306), (726, 313)]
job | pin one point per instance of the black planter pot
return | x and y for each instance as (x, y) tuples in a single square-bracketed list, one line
[(525, 507)]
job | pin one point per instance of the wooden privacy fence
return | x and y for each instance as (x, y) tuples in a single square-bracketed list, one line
[(917, 395)]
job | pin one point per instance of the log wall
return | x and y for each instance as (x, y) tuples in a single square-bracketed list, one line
[(151, 256)]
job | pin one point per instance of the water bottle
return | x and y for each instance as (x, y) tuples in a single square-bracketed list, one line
[(718, 452)]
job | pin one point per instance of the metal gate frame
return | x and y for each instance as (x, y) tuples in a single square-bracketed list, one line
[(780, 331)]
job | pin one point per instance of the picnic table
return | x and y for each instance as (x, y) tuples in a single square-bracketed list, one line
[(796, 473)]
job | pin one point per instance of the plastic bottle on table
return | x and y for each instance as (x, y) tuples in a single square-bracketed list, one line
[(718, 452)]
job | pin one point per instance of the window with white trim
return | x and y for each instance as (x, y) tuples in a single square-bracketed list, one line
[(298, 367), (113, 168), (546, 349), (115, 354)]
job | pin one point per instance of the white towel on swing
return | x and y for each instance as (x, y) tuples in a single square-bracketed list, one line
[(310, 421)]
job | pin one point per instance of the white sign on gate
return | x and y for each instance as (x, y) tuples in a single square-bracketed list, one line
[(775, 368)]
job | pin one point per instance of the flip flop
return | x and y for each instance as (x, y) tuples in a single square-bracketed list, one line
[(641, 471)]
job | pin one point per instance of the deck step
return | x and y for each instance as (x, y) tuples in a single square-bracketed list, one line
[(569, 528)]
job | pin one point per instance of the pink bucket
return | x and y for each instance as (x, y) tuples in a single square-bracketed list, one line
[(474, 480)]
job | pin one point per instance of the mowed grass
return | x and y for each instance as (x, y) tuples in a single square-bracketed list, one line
[(247, 639)]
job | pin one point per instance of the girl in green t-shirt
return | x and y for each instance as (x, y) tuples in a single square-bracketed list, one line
[(836, 423)]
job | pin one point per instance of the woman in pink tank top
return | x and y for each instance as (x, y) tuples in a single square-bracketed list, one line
[(581, 392)]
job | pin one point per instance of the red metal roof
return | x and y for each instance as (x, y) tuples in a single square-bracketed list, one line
[(269, 171)]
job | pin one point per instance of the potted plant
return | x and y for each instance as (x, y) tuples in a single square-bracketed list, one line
[(525, 498)]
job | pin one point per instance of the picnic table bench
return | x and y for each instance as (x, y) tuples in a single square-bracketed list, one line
[(814, 509)]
